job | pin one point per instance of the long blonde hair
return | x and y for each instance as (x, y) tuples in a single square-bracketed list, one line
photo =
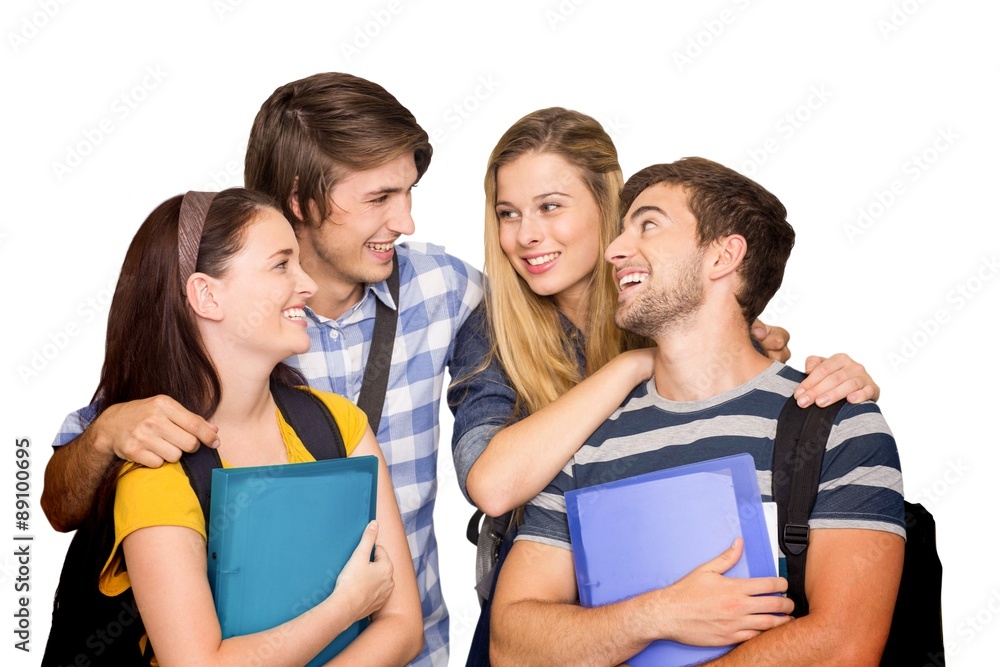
[(527, 336)]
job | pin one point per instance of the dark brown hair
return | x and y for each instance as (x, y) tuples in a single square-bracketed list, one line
[(726, 202), (312, 131), (153, 345)]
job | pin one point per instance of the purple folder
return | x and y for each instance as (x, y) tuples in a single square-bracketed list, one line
[(645, 532)]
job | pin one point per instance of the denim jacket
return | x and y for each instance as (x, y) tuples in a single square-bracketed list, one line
[(484, 402)]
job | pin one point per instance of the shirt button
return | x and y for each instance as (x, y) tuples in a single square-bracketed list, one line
[(334, 334)]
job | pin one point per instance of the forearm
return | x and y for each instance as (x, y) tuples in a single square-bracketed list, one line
[(291, 644), (524, 457), (71, 479), (391, 639), (534, 632), (810, 640)]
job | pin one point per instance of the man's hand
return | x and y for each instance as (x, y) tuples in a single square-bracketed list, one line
[(152, 431), (706, 608), (148, 431), (831, 379), (772, 340)]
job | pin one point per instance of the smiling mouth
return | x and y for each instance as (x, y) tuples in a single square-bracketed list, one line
[(631, 279), (381, 247), (294, 314), (542, 259)]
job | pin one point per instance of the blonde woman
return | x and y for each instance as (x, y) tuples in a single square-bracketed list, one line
[(521, 402)]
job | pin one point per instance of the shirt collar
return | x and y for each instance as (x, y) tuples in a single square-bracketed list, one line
[(381, 292)]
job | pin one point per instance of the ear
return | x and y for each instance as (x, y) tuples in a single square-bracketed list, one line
[(201, 290), (726, 255), (293, 200)]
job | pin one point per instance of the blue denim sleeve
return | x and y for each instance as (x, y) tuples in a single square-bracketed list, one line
[(481, 400)]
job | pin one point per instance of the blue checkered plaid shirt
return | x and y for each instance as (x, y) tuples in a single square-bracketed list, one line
[(437, 292)]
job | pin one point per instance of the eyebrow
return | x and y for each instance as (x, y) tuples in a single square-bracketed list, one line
[(537, 197), (643, 210), (387, 190), (287, 252)]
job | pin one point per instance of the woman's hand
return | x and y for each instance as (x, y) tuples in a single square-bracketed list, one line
[(365, 584), (637, 364), (773, 341), (831, 379)]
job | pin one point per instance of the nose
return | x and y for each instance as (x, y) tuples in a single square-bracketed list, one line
[(619, 250), (401, 221), (306, 286), (530, 232)]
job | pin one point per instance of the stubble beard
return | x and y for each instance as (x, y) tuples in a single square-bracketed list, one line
[(660, 310)]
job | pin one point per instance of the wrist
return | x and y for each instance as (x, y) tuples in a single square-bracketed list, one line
[(100, 442)]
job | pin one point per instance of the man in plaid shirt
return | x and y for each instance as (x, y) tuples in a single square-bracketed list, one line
[(341, 155)]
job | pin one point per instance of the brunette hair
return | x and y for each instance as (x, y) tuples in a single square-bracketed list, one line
[(726, 202), (153, 345), (309, 133)]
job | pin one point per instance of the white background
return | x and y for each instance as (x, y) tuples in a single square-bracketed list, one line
[(156, 101)]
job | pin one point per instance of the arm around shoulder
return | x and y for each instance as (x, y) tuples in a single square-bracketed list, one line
[(148, 431)]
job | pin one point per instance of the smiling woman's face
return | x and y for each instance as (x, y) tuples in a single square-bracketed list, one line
[(549, 225), (264, 289)]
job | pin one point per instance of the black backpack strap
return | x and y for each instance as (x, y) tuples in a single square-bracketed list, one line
[(198, 465), (799, 445), (305, 413), (311, 420), (376, 378)]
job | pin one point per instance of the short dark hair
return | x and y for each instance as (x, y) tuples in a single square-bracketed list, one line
[(726, 202), (318, 128)]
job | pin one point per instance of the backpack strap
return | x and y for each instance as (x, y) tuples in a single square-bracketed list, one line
[(305, 413), (311, 420), (799, 445), (376, 378), (198, 465)]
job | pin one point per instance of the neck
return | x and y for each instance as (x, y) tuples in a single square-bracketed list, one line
[(248, 430), (575, 305), (705, 356), (333, 297)]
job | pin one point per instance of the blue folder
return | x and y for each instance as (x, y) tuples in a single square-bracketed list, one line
[(280, 535), (645, 532)]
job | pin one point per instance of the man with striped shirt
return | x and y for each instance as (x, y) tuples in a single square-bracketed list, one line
[(702, 251)]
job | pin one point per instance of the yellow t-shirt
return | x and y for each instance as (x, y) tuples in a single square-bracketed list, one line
[(163, 496)]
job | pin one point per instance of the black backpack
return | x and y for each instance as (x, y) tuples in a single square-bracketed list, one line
[(916, 636), (90, 628)]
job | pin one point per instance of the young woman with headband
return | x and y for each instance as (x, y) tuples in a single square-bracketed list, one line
[(208, 304)]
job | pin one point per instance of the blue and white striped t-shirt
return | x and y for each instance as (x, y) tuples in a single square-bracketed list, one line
[(860, 483)]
